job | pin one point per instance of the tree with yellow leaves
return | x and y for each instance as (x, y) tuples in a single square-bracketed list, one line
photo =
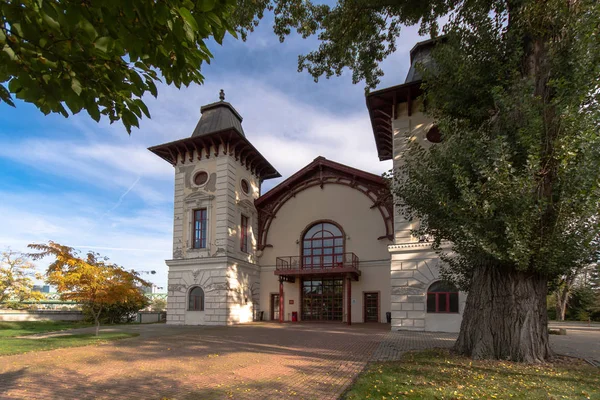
[(16, 273), (92, 281)]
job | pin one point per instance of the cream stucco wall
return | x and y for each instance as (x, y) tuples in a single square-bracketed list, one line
[(362, 225), (346, 206), (408, 128), (414, 265)]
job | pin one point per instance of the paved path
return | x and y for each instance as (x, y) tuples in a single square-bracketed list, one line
[(255, 361)]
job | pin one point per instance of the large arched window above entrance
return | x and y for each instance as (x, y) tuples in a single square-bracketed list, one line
[(323, 246), (442, 297), (196, 299)]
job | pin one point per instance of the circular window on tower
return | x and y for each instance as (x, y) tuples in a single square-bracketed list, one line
[(245, 186), (200, 178), (434, 135)]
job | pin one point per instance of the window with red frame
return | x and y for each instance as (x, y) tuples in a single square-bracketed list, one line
[(196, 301), (442, 297), (244, 238), (200, 219)]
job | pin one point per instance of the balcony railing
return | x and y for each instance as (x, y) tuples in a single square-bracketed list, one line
[(346, 262)]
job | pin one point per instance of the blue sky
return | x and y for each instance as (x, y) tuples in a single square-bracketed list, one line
[(91, 186)]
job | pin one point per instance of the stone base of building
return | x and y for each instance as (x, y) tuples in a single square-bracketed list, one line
[(414, 267), (230, 286)]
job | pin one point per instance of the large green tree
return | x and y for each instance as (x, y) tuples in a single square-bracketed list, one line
[(103, 56), (514, 185)]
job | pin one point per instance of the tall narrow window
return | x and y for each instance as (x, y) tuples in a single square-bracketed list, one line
[(244, 238), (200, 228), (196, 300)]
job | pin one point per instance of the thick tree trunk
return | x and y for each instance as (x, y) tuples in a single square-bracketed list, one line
[(505, 317)]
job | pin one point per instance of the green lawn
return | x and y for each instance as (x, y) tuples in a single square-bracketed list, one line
[(10, 344), (21, 328), (438, 374)]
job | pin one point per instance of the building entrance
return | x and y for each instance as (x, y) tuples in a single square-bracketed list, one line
[(322, 299)]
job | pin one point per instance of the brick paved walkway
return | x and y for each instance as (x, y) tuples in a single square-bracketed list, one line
[(256, 361), (580, 342), (266, 361), (396, 343)]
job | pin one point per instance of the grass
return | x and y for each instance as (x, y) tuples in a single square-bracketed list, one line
[(22, 328), (10, 344), (439, 374)]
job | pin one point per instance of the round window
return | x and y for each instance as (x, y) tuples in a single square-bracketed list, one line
[(434, 135), (200, 178), (245, 186)]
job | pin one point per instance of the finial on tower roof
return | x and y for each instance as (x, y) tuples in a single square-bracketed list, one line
[(222, 95)]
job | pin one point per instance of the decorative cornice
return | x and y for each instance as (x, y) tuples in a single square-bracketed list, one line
[(198, 197), (415, 246), (382, 111), (226, 142), (208, 262)]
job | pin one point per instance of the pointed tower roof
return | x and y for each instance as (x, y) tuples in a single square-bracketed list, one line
[(218, 133), (218, 117)]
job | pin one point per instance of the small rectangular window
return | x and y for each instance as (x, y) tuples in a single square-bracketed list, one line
[(244, 237), (200, 223), (431, 303), (453, 302), (442, 302)]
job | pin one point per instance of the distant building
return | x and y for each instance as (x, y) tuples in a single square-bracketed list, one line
[(326, 244), (40, 288)]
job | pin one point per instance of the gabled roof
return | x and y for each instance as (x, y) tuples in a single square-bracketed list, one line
[(319, 163), (323, 172)]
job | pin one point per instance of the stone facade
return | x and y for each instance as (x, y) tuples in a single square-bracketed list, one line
[(396, 268)]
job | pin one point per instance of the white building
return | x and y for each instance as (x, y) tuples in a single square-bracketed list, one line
[(324, 245)]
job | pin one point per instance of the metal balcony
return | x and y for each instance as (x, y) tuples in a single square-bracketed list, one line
[(323, 265)]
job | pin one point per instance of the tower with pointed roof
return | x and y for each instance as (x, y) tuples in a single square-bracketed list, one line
[(398, 117), (213, 275)]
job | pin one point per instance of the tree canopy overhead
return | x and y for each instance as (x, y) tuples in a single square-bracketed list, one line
[(102, 57)]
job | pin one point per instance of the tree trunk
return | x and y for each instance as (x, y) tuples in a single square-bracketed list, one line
[(97, 325), (562, 297), (97, 320), (505, 317)]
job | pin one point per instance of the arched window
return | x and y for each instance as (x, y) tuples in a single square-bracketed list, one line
[(196, 301), (442, 297), (323, 246)]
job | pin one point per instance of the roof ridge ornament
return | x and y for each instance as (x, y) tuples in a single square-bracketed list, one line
[(222, 95)]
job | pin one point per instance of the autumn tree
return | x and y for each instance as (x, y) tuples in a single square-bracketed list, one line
[(16, 278), (514, 185), (91, 280), (103, 56)]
